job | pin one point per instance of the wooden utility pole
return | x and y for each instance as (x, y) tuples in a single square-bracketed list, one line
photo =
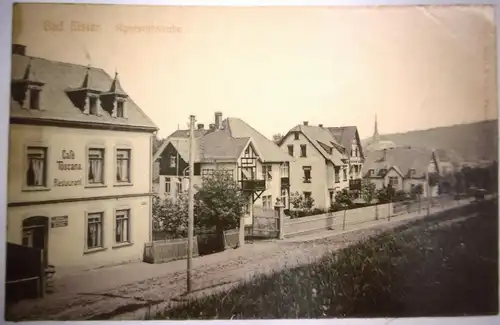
[(427, 190), (190, 202)]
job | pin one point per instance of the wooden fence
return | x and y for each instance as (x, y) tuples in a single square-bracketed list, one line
[(167, 250), (162, 251), (25, 273)]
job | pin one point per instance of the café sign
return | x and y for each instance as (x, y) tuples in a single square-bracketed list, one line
[(67, 164)]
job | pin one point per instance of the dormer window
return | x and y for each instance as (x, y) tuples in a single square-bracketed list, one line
[(92, 105), (34, 99), (120, 109), (371, 172), (412, 172)]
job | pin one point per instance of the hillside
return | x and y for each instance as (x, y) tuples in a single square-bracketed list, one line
[(472, 142)]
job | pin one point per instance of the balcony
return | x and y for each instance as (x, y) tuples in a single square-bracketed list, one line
[(285, 182), (355, 184), (253, 185)]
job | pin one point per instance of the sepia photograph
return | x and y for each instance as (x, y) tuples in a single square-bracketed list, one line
[(254, 162)]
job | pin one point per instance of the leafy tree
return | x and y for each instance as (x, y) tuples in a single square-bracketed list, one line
[(400, 196), (386, 194), (300, 202), (368, 191), (296, 200), (344, 198), (219, 202), (171, 216), (277, 138)]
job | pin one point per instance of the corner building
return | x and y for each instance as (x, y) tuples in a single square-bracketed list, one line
[(79, 174)]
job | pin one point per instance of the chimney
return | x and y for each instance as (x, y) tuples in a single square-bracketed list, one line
[(306, 123), (211, 126), (320, 125), (384, 156), (18, 49), (218, 119), (200, 126)]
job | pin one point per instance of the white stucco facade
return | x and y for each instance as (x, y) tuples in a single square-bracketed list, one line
[(68, 198)]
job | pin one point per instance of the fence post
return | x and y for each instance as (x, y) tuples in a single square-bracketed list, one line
[(42, 274), (242, 231), (279, 209), (343, 221), (376, 211)]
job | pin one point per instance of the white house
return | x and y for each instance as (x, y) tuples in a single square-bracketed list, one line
[(325, 159), (401, 167)]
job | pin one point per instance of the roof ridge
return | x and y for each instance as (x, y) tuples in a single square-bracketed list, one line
[(63, 63)]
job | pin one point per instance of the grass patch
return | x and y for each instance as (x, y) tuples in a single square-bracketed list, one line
[(423, 269)]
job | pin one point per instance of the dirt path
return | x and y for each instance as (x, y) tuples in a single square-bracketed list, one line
[(128, 301)]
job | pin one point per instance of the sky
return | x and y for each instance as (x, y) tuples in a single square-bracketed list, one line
[(275, 67)]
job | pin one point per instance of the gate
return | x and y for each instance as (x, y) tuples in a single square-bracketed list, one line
[(265, 222)]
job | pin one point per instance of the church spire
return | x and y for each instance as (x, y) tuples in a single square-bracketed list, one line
[(375, 132)]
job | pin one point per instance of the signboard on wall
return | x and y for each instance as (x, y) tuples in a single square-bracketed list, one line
[(57, 222)]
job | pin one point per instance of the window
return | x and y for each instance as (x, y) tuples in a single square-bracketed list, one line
[(96, 166), (122, 224), (337, 174), (284, 197), (179, 185), (331, 196), (345, 173), (120, 109), (36, 174), (207, 172), (393, 181), (307, 174), (94, 230), (303, 150), (93, 105), (28, 237), (123, 165), (172, 161), (307, 195), (296, 135), (267, 202), (34, 99), (167, 185), (284, 170), (267, 173), (290, 149)]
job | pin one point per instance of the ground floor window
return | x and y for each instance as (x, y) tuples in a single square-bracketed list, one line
[(94, 230), (284, 195), (122, 220)]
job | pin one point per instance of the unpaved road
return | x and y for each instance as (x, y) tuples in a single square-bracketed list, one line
[(126, 301)]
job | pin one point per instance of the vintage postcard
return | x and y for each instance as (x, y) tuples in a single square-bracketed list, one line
[(171, 162)]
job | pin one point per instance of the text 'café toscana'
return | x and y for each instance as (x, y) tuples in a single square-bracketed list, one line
[(68, 155), (79, 165)]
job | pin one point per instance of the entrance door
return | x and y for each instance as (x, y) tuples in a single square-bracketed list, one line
[(36, 234)]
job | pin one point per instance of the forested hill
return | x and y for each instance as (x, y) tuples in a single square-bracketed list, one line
[(472, 142)]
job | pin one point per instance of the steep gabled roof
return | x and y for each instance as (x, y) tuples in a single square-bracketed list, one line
[(268, 150), (219, 145), (55, 104), (185, 133), (402, 159), (344, 136), (323, 140)]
